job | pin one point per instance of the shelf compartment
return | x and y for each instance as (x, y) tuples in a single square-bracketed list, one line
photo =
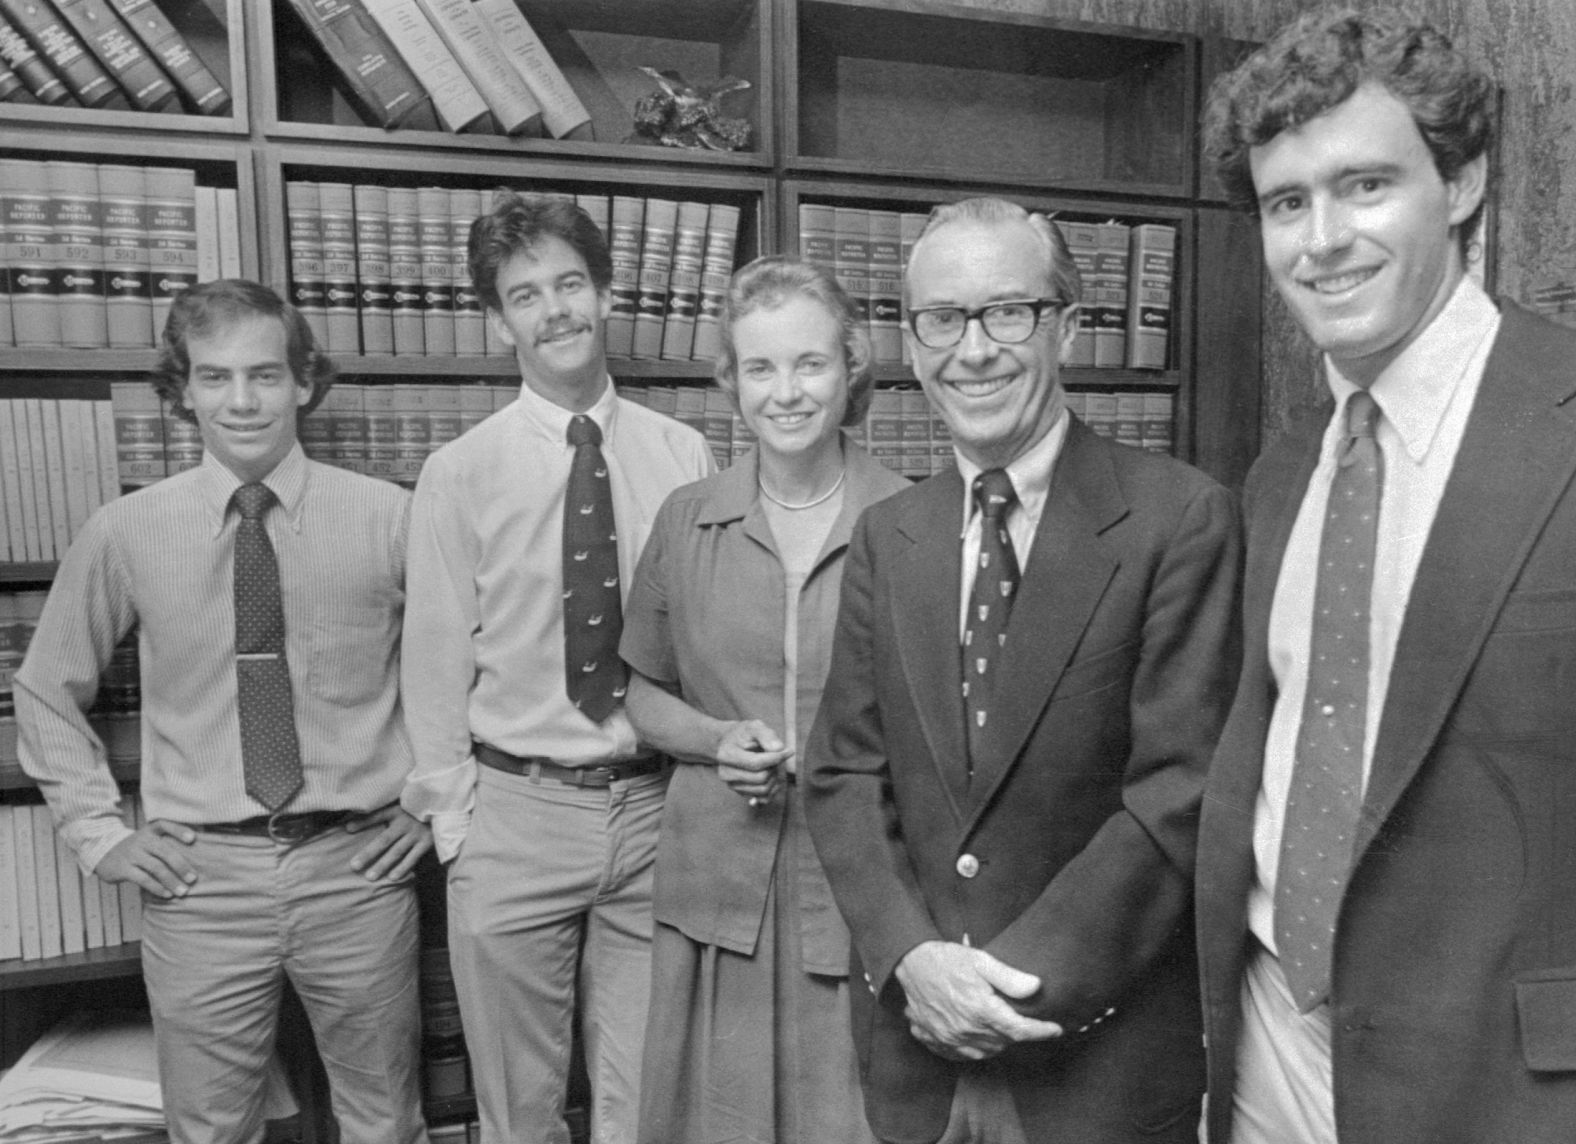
[(93, 965), (213, 29), (934, 90), (599, 45)]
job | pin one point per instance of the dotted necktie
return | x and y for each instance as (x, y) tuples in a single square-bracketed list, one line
[(270, 753), (1327, 777), (593, 611), (990, 603)]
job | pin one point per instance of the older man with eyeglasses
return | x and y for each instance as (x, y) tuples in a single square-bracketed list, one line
[(1033, 658)]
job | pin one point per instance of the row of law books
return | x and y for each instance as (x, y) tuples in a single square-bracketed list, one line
[(48, 906), (1127, 271), (95, 253), (58, 463), (454, 65), (116, 708), (383, 270), (102, 53)]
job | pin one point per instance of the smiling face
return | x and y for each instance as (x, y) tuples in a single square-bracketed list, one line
[(998, 400), (244, 395), (792, 376), (552, 314), (1359, 228)]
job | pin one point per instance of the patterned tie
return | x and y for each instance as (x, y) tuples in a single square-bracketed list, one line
[(593, 612), (270, 753), (1327, 778), (990, 603)]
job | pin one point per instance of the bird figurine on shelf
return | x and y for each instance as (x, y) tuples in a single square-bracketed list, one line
[(684, 114)]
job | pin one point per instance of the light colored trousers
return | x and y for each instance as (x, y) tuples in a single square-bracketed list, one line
[(215, 962), (551, 887)]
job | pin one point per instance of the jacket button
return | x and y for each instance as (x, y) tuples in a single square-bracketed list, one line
[(968, 866)]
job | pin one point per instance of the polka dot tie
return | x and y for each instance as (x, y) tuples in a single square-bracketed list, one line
[(270, 753), (1327, 778), (594, 676), (990, 602)]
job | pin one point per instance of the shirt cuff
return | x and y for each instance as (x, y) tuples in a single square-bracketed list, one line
[(92, 844), (448, 832)]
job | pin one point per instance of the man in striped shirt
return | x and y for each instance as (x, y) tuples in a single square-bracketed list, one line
[(242, 887)]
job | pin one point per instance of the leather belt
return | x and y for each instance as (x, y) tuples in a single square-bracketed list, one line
[(291, 829), (536, 768)]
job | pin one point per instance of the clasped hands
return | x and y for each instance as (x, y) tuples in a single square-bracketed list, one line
[(750, 758), (959, 1001)]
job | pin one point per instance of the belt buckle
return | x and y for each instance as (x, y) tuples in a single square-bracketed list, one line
[(289, 829), (601, 775)]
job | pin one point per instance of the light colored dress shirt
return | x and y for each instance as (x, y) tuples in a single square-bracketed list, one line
[(1425, 397), (1031, 479), (163, 559), (484, 636)]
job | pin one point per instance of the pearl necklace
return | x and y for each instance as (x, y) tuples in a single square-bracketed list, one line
[(822, 499)]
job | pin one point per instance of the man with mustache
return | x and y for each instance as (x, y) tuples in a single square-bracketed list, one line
[(542, 803)]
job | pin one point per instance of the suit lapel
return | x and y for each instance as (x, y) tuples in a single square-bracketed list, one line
[(1068, 570), (926, 583), (1516, 460)]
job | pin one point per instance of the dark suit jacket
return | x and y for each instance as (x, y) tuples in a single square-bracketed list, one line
[(1454, 989), (1118, 666)]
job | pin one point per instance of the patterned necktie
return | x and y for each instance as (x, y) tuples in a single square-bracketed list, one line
[(990, 603), (593, 611), (270, 753), (1326, 793)]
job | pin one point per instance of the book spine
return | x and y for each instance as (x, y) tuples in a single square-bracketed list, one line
[(411, 432), (27, 882), (1110, 332), (303, 216), (470, 322), (73, 927), (375, 74), (337, 225), (207, 207), (458, 103), (689, 407), (818, 234), (81, 488), (315, 431), (32, 475), (1100, 413), (10, 892), (472, 43), (1158, 434), (200, 91), (13, 542), (437, 270), (851, 244), (886, 428), (914, 433), (405, 271), (104, 445), (230, 260), (624, 248), (381, 431), (139, 433), (44, 85), (172, 237), (689, 259), (443, 416), (51, 944), (49, 478), (722, 232), (1151, 270), (119, 51), (77, 225), (1128, 429), (562, 111), (374, 293), (911, 225), (717, 425), (89, 84), (346, 409), (1083, 243), (128, 277), (886, 287), (656, 264), (30, 261), (182, 443)]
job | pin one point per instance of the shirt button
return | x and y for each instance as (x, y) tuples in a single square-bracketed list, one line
[(968, 866)]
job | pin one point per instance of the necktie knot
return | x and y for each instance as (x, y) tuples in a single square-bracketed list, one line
[(1362, 414), (253, 500), (994, 494), (584, 431)]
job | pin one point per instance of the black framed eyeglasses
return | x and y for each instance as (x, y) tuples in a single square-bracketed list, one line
[(1010, 323)]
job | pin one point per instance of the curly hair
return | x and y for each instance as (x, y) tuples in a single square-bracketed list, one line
[(518, 222), (770, 282), (212, 306), (1317, 62)]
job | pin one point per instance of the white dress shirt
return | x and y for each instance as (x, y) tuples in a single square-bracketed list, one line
[(163, 559), (484, 633)]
